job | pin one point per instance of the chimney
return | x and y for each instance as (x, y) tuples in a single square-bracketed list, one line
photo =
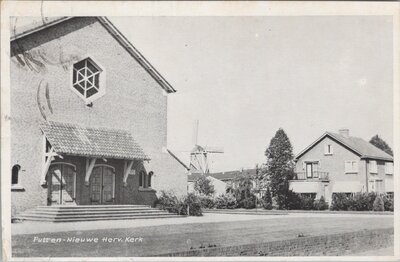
[(344, 132)]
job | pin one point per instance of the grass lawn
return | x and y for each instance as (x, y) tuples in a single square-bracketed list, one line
[(181, 237)]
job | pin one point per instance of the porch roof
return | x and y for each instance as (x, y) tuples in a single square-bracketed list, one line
[(76, 140)]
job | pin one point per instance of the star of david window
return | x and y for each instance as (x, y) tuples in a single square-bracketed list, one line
[(87, 79)]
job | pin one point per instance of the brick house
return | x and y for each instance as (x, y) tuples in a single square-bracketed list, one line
[(88, 118), (340, 163)]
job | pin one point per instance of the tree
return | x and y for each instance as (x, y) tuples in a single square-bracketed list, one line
[(381, 144), (244, 191), (267, 200), (203, 186), (279, 167)]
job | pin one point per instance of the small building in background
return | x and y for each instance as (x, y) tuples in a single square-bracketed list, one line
[(222, 181)]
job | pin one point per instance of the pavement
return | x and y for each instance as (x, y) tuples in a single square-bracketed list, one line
[(31, 227)]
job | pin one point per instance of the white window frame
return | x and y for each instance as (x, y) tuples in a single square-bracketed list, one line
[(389, 168), (102, 80), (373, 167), (351, 167), (374, 185), (328, 149)]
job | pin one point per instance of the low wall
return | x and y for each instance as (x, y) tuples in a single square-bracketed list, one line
[(325, 245)]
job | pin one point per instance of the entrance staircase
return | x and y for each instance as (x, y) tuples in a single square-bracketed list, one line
[(92, 213)]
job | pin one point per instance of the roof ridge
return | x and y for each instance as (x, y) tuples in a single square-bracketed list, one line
[(87, 127), (351, 143)]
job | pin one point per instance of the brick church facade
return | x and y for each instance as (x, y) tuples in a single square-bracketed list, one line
[(88, 118)]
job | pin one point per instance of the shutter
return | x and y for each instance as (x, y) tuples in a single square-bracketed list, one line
[(355, 166), (373, 167), (347, 166)]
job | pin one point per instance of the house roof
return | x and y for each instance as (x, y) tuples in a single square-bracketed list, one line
[(38, 25), (231, 175), (177, 159), (76, 140), (223, 176), (358, 145), (194, 176)]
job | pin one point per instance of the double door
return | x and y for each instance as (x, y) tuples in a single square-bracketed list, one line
[(102, 185), (62, 184)]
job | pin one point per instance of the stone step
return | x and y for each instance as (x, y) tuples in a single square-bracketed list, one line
[(92, 209), (90, 215), (82, 212), (62, 207), (80, 219)]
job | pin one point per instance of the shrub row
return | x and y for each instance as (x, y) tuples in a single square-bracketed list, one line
[(305, 202), (188, 205), (361, 202), (340, 201)]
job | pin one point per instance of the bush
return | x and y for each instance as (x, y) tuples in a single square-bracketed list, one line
[(193, 202), (371, 198), (204, 186), (388, 203), (378, 204), (359, 202), (294, 200), (339, 201), (167, 201), (267, 200), (320, 204), (225, 201), (243, 193), (307, 202), (249, 202), (207, 202)]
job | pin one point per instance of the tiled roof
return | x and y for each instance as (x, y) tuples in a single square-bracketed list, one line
[(223, 176), (76, 140), (358, 145), (231, 175), (193, 177), (366, 149)]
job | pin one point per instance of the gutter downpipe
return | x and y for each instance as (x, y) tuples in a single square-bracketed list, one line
[(366, 174)]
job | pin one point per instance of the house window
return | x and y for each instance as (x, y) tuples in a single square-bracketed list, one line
[(15, 186), (14, 174), (351, 167), (311, 169), (388, 168), (373, 168), (141, 178), (149, 178), (376, 185), (145, 179), (328, 149), (86, 79)]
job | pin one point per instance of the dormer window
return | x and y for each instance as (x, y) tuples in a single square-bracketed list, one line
[(87, 80)]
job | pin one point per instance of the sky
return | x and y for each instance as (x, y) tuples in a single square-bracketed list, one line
[(243, 78)]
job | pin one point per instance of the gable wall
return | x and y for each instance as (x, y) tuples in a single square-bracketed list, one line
[(134, 101), (335, 163)]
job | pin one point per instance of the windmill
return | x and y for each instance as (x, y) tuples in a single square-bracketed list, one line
[(199, 156)]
